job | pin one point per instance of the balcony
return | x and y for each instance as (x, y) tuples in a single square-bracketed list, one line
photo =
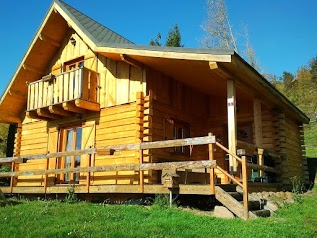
[(63, 95)]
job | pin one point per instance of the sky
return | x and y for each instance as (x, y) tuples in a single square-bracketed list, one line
[(282, 32)]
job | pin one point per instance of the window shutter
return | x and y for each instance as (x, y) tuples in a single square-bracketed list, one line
[(52, 146)]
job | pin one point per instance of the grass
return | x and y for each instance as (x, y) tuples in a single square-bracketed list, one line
[(311, 139), (57, 219)]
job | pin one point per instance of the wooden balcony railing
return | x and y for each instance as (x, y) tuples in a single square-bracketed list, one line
[(51, 90)]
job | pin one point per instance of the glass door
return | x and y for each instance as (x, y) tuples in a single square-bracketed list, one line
[(71, 140)]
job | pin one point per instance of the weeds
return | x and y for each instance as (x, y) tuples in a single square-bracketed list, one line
[(71, 196), (298, 188)]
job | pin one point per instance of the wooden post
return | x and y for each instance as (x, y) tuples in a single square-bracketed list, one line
[(232, 124), (46, 176), (257, 115), (140, 115), (88, 174), (12, 178), (141, 173), (212, 170), (245, 187)]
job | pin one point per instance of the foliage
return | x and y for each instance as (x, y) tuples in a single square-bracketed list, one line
[(3, 139), (71, 196), (157, 41), (287, 80), (161, 201), (298, 188), (173, 38), (55, 219), (301, 89)]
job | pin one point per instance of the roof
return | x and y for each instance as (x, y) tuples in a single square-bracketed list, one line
[(99, 33), (189, 61)]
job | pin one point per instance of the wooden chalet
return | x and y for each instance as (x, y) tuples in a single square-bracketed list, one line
[(95, 110)]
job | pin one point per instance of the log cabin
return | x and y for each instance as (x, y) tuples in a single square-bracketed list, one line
[(82, 91)]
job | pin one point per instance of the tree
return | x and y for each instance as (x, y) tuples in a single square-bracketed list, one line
[(313, 69), (218, 27), (288, 79), (157, 41), (173, 38), (219, 32), (3, 139)]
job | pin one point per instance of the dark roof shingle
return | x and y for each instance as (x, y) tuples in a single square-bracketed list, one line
[(99, 33)]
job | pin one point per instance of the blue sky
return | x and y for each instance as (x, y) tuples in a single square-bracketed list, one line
[(282, 32)]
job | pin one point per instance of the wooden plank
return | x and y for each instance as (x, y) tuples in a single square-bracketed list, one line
[(111, 83), (232, 124), (123, 82), (120, 167), (245, 187), (212, 170)]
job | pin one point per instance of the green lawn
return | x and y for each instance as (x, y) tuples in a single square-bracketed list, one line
[(56, 219), (311, 139)]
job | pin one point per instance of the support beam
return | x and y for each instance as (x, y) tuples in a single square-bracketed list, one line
[(34, 115), (33, 69), (46, 113), (232, 124), (60, 111), (131, 61), (257, 115), (213, 65), (69, 106), (91, 106), (49, 40)]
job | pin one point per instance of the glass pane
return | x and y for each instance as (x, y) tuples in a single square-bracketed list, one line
[(78, 147)]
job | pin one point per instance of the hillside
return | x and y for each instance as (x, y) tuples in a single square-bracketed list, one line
[(301, 89)]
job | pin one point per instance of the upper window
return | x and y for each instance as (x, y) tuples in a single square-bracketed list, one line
[(74, 64)]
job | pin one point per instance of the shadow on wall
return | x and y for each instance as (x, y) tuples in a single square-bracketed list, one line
[(312, 169)]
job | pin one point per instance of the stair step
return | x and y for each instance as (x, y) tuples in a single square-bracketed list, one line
[(236, 195), (253, 205), (262, 213), (228, 187)]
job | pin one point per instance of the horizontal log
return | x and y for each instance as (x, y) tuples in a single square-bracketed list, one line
[(244, 145), (135, 146), (119, 167), (51, 155)]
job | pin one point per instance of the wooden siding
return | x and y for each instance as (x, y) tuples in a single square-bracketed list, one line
[(119, 82)]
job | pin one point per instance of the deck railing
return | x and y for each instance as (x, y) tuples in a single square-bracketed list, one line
[(75, 84), (211, 164)]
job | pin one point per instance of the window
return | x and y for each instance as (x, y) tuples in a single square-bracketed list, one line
[(176, 129), (71, 139)]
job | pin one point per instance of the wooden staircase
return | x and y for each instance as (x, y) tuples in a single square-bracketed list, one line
[(232, 199)]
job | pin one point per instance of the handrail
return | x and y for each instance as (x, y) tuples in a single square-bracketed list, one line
[(229, 152), (118, 167), (135, 146)]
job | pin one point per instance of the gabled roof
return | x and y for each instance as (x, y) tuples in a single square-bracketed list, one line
[(97, 32)]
